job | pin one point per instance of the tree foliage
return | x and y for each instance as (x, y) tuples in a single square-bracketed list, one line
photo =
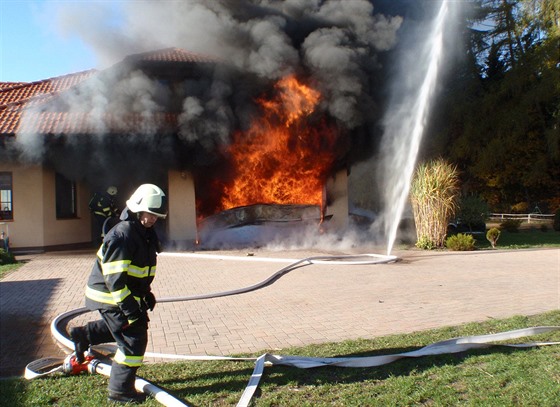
[(472, 211), (499, 113)]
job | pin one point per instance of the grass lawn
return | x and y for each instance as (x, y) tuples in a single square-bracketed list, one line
[(525, 238), (497, 376), (5, 269)]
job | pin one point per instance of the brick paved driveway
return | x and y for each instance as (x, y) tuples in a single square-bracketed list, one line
[(311, 304)]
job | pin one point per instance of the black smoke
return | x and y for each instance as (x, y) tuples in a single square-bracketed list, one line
[(340, 47)]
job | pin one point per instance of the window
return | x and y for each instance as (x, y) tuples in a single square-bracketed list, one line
[(6, 209), (66, 206)]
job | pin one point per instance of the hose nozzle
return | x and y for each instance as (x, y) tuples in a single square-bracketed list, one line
[(71, 366)]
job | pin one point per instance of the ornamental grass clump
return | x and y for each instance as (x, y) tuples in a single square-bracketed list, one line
[(434, 196)]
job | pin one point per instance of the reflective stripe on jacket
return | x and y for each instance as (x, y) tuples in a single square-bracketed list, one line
[(128, 360)]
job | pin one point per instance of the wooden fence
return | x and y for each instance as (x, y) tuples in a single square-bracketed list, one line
[(528, 217)]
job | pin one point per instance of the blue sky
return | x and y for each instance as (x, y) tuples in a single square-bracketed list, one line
[(31, 45)]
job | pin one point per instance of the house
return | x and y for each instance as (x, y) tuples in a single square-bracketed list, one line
[(40, 208), (141, 120)]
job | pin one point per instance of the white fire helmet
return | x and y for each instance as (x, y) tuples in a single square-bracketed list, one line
[(148, 198), (112, 190)]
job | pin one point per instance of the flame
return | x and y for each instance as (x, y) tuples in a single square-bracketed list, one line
[(283, 158)]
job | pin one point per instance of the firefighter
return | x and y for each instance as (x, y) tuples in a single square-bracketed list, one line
[(102, 206), (119, 288)]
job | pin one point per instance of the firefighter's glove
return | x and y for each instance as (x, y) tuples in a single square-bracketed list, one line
[(150, 300)]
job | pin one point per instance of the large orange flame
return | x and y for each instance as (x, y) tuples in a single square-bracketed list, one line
[(285, 156)]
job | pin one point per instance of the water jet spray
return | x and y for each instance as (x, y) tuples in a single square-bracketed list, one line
[(405, 123)]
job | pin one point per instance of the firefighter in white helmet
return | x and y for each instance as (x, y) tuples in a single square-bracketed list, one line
[(119, 287)]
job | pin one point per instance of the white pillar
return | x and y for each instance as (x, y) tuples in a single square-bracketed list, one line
[(181, 219)]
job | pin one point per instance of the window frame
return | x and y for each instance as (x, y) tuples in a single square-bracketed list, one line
[(6, 198), (66, 198)]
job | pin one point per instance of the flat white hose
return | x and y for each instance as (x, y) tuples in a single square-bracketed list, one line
[(144, 386)]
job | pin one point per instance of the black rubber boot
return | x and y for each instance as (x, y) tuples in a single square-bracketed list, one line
[(81, 343), (121, 384), (132, 398)]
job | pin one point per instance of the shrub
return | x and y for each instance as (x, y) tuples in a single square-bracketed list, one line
[(425, 243), (460, 242), (510, 225), (556, 224), (492, 236), (6, 257)]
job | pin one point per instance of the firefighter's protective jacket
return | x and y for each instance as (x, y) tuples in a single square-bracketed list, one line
[(102, 204), (125, 267)]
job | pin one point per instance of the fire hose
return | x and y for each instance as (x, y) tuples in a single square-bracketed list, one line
[(68, 365)]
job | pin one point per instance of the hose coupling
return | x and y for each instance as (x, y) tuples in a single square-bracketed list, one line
[(71, 366)]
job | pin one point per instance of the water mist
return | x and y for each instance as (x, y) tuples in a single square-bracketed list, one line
[(405, 121)]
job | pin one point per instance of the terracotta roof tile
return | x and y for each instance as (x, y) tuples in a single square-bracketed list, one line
[(82, 123), (9, 120), (15, 97), (24, 91), (5, 85), (171, 55)]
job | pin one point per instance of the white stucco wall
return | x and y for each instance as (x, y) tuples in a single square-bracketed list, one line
[(35, 224), (65, 231), (181, 219)]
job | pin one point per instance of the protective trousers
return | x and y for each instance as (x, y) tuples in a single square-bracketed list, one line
[(131, 339)]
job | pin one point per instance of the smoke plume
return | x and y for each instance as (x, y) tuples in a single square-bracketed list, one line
[(336, 42)]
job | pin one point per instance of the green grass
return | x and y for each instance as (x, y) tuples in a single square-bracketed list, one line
[(523, 239), (497, 376), (5, 269)]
